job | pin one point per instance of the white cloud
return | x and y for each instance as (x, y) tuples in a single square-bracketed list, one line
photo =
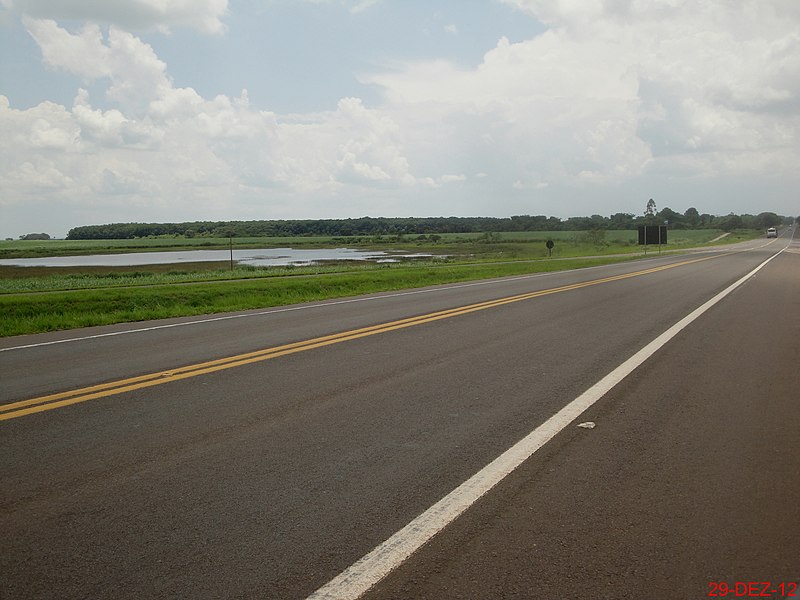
[(520, 111), (203, 15), (362, 5), (39, 177), (135, 72), (354, 6), (613, 97), (82, 54), (614, 89), (161, 144), (452, 178)]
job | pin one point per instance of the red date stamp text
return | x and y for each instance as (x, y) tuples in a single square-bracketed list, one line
[(753, 589)]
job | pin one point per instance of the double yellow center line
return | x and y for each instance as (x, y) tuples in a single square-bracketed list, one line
[(53, 401)]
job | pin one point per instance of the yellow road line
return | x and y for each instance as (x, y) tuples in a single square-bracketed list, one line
[(52, 401)]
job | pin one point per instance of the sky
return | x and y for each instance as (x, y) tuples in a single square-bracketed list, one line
[(184, 110)]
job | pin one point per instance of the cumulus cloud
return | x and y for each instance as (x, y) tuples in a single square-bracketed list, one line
[(614, 90), (203, 15), (135, 72), (83, 54), (526, 109), (612, 95), (354, 6), (160, 143)]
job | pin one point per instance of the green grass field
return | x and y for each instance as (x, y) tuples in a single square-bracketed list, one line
[(39, 312), (32, 249), (40, 299)]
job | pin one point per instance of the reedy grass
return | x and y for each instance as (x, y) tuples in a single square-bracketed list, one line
[(105, 296), (41, 248), (35, 313), (144, 278)]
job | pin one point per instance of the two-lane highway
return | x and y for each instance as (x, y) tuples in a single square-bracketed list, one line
[(262, 454)]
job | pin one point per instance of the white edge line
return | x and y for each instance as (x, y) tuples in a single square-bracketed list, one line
[(362, 575)]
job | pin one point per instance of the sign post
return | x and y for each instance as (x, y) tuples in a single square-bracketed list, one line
[(651, 235), (549, 245)]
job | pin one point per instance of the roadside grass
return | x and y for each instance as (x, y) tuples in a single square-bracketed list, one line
[(36, 313), (13, 280), (39, 299), (452, 248)]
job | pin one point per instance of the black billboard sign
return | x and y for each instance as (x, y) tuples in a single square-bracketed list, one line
[(652, 234)]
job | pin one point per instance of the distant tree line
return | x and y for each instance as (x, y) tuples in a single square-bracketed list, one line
[(373, 226), (35, 236)]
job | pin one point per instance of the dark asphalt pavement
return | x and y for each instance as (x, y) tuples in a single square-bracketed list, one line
[(690, 479), (267, 480)]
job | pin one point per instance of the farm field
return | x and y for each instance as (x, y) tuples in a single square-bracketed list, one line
[(608, 239)]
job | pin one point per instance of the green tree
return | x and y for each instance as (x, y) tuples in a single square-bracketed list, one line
[(692, 217), (765, 220), (650, 210), (730, 222), (621, 221), (676, 220)]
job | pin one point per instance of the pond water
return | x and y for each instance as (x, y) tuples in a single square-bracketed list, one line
[(271, 257)]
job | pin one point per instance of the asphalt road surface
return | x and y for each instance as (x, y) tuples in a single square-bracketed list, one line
[(260, 455)]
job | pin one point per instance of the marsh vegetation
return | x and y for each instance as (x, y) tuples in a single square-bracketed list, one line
[(34, 299)]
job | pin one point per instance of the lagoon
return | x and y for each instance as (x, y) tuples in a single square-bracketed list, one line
[(269, 257)]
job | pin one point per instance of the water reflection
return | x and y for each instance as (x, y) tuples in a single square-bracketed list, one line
[(271, 257)]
